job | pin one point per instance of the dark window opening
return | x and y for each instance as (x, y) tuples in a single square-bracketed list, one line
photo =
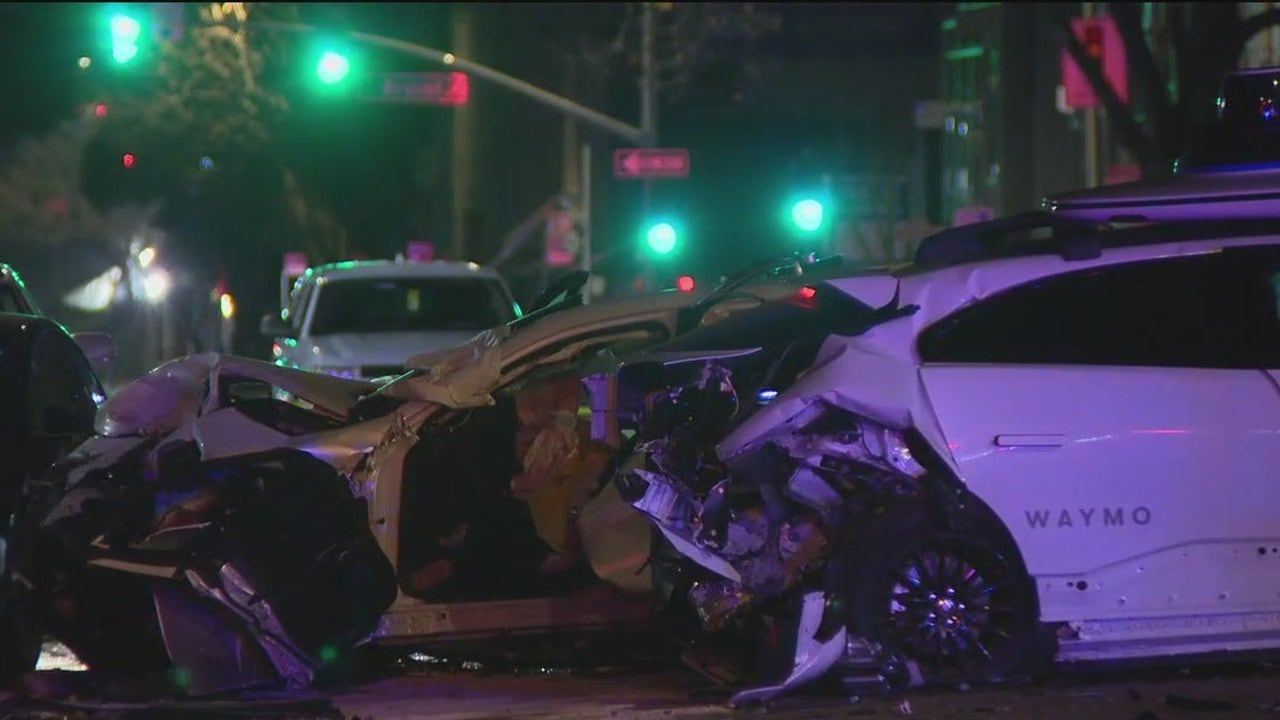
[(1216, 310), (62, 387)]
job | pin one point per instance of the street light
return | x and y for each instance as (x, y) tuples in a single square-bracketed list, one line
[(333, 67)]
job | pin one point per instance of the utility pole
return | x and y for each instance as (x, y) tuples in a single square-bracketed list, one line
[(584, 220), (1091, 174), (461, 145), (648, 113), (648, 78)]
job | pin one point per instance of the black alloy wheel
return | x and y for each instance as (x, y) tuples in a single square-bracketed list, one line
[(951, 602), (951, 609)]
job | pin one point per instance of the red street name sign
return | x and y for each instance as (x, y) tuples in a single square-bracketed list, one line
[(638, 163), (424, 88)]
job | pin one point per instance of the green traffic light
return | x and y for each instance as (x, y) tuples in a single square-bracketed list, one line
[(333, 68), (807, 214), (125, 33), (661, 238)]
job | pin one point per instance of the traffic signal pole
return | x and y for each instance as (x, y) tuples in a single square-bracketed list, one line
[(1092, 176), (643, 135), (648, 79), (648, 120), (556, 102)]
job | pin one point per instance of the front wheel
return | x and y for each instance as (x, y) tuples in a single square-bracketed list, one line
[(953, 602)]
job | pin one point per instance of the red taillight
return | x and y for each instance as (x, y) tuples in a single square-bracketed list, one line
[(685, 283), (808, 292)]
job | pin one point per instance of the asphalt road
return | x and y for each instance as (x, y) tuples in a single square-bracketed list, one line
[(1236, 692), (469, 691)]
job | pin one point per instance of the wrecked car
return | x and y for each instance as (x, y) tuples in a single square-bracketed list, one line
[(243, 524), (1051, 438)]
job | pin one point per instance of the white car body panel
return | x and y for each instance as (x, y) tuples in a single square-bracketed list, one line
[(1142, 499), (1159, 482)]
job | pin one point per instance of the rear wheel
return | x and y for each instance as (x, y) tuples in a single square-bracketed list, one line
[(955, 603)]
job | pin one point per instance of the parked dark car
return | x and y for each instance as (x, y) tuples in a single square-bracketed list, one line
[(49, 396)]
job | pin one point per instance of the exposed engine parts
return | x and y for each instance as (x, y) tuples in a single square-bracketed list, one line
[(761, 521)]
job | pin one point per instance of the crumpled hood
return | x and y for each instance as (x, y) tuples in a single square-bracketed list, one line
[(457, 377), (177, 392), (356, 349)]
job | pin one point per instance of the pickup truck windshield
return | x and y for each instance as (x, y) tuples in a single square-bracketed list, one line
[(378, 305)]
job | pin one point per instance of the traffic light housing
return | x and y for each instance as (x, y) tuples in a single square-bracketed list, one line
[(661, 238), (126, 31)]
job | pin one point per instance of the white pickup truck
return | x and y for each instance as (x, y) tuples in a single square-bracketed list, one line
[(363, 319)]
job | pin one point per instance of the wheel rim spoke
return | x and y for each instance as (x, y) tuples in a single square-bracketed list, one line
[(946, 610)]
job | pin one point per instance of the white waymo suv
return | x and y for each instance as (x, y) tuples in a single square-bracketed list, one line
[(361, 319), (1054, 436)]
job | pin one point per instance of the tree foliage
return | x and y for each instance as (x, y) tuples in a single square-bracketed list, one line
[(697, 38), (205, 120), (1175, 78), (689, 39), (40, 196), (203, 96), (42, 202)]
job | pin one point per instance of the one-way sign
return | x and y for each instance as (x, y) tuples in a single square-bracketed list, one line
[(638, 163)]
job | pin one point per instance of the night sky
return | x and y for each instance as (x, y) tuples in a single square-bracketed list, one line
[(39, 46), (834, 86)]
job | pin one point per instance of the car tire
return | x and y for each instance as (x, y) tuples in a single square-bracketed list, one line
[(955, 603)]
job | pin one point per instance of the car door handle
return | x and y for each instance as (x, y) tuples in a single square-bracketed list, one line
[(1026, 440)]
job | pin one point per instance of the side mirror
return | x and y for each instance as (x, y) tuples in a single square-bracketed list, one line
[(273, 326), (98, 348)]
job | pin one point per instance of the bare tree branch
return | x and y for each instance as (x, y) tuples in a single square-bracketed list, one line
[(1121, 115), (1251, 26), (1181, 52), (1165, 119)]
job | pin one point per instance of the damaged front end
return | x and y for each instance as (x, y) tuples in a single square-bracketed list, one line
[(754, 530), (209, 534)]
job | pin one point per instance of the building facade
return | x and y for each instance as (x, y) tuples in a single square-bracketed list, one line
[(1004, 141)]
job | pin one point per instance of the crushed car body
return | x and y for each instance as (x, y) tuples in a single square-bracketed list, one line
[(239, 524), (210, 527)]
